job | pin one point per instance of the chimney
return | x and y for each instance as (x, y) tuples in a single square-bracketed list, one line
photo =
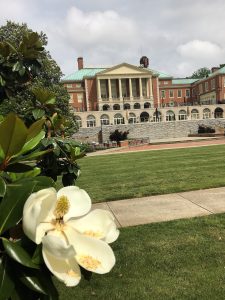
[(80, 63), (214, 69)]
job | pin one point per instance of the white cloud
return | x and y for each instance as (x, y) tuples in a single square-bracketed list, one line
[(198, 49)]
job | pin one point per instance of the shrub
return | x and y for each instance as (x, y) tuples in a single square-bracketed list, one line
[(118, 135)]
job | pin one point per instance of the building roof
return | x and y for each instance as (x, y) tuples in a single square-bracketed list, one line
[(80, 74), (184, 80), (160, 74)]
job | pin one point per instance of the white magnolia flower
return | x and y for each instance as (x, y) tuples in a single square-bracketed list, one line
[(51, 218)]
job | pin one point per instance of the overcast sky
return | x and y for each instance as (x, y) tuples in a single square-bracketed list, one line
[(178, 36)]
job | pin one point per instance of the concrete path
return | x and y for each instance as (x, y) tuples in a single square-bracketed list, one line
[(162, 208), (165, 145)]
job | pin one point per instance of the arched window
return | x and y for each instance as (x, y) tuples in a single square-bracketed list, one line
[(104, 119), (137, 106), (126, 106), (206, 113), (105, 107), (132, 118), (170, 116), (218, 113), (147, 105), (118, 119), (157, 116), (116, 107), (194, 114), (144, 117), (182, 115), (91, 121), (78, 120)]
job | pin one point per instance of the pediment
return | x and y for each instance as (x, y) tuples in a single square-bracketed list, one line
[(125, 69)]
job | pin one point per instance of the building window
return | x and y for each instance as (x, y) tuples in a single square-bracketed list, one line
[(200, 89), (132, 118), (137, 106), (116, 107), (194, 114), (170, 116), (187, 93), (182, 115), (206, 113), (78, 120), (157, 116), (206, 86), (165, 82), (69, 85), (91, 121), (179, 93), (163, 94), (171, 94), (147, 105), (126, 106), (104, 120), (213, 84), (118, 119), (80, 98)]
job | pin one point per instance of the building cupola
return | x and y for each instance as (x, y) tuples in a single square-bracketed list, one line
[(80, 63)]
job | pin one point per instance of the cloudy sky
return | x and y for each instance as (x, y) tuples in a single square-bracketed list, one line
[(178, 36)]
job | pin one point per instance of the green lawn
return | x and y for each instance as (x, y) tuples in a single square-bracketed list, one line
[(130, 175), (182, 259)]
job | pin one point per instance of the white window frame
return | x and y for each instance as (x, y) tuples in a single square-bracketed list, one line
[(178, 93), (171, 92), (187, 93)]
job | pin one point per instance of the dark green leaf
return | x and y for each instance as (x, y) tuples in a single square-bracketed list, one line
[(32, 280), (11, 207), (40, 182), (32, 143), (17, 176), (35, 129), (38, 113), (6, 282), (13, 134), (16, 66), (19, 168), (37, 257), (17, 253), (2, 187)]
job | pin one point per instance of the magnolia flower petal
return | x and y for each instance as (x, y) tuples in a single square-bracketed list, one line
[(92, 254), (97, 224), (79, 200), (55, 243), (66, 270), (38, 209)]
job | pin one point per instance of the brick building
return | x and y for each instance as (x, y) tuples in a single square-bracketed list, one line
[(127, 94)]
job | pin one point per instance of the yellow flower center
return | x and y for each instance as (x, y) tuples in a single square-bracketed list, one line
[(88, 262), (62, 207), (94, 234), (73, 274)]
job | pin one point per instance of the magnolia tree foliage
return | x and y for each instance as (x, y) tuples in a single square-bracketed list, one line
[(34, 152)]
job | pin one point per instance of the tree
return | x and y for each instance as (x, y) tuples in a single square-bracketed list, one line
[(201, 73), (45, 73)]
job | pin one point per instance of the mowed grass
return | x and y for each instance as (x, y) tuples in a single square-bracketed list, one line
[(182, 259), (130, 175)]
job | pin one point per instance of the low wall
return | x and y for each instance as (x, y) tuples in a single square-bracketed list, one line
[(150, 130)]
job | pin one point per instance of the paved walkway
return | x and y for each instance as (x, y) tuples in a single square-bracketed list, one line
[(165, 144), (162, 208)]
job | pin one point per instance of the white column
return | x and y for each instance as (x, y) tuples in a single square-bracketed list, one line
[(110, 89), (120, 90), (99, 90), (151, 93), (140, 88), (130, 88), (148, 82)]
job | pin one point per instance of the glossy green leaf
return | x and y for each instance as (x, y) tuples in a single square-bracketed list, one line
[(11, 207), (33, 155), (13, 134), (35, 129), (17, 176), (32, 280), (38, 113), (41, 182), (17, 253), (2, 187), (32, 143), (6, 282)]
